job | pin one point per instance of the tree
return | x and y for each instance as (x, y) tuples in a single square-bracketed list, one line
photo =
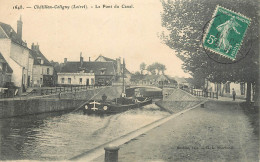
[(156, 67), (136, 77), (151, 69), (185, 21), (142, 67)]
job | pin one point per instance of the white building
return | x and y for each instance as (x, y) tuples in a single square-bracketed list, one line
[(226, 89), (79, 78), (16, 54), (74, 73)]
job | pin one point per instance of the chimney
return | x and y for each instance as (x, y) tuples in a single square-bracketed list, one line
[(35, 47), (118, 61), (81, 59), (89, 59), (32, 47), (20, 28), (65, 60)]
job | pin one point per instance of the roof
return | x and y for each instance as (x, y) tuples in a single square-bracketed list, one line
[(36, 54), (2, 59), (95, 67), (114, 62), (106, 58), (180, 80), (9, 32)]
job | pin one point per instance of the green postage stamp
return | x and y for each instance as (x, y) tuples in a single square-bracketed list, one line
[(225, 33)]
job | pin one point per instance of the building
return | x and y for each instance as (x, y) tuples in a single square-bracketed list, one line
[(16, 54), (182, 82), (226, 89), (43, 71), (119, 67), (86, 73), (5, 72)]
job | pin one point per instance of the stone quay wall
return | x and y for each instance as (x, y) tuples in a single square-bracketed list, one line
[(53, 103)]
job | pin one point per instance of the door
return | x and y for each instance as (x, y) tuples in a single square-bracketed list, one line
[(28, 81)]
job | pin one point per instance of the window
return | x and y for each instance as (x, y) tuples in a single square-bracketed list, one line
[(62, 80), (87, 82), (48, 71), (92, 81), (69, 80), (80, 80)]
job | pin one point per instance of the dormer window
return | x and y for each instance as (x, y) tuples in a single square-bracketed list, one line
[(39, 59), (102, 71)]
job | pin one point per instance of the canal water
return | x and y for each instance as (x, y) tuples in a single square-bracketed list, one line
[(60, 136)]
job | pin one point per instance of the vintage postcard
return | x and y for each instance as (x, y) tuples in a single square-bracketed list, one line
[(129, 80)]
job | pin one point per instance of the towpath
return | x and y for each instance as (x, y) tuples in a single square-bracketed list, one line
[(218, 132)]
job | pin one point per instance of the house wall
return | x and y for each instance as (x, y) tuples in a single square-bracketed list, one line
[(18, 59), (75, 78), (21, 55), (30, 71), (5, 49), (38, 72), (226, 89)]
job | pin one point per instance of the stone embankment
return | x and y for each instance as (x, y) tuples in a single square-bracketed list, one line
[(175, 100), (52, 103)]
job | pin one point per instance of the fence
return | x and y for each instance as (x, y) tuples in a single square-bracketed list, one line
[(202, 93), (52, 90)]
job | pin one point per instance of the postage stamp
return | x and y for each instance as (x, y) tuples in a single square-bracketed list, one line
[(225, 33)]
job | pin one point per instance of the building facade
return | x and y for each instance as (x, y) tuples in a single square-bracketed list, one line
[(119, 67), (5, 72), (79, 78), (86, 73), (43, 71), (226, 89), (17, 55)]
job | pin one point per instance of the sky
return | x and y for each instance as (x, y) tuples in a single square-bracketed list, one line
[(130, 33)]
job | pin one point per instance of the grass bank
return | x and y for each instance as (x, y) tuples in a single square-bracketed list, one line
[(253, 115)]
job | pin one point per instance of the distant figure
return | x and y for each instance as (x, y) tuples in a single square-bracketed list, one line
[(234, 94)]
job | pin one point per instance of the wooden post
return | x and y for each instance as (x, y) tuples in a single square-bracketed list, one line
[(111, 154)]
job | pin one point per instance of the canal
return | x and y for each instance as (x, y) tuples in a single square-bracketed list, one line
[(61, 135)]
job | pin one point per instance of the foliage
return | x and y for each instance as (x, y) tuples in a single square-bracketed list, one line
[(156, 68), (142, 67), (136, 77), (185, 21)]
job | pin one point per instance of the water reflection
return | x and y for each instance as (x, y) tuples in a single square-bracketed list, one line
[(59, 136)]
